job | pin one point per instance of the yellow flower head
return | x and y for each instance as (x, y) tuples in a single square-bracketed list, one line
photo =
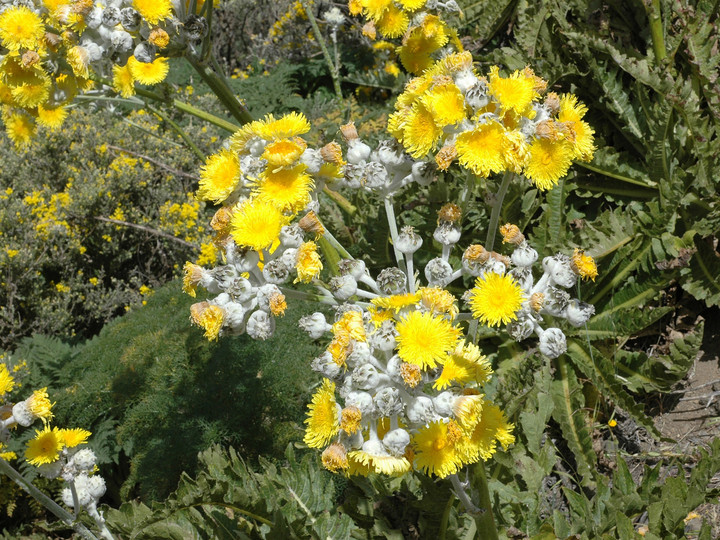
[(583, 265), (40, 405), (7, 382), (288, 189), (496, 299), (438, 300), (20, 128), (381, 462), (290, 125), (549, 161), (467, 410), (123, 80), (393, 22), (412, 5), (73, 437), (284, 152), (350, 325), (483, 149), (219, 176), (334, 458), (20, 27), (32, 93), (256, 224), (490, 429), (396, 302), (374, 9), (350, 419), (516, 92), (192, 274), (151, 72), (208, 317), (79, 60), (571, 112), (464, 365), (420, 133), (308, 263), (323, 416), (153, 11), (435, 447), (51, 117), (423, 339), (45, 447), (446, 104)]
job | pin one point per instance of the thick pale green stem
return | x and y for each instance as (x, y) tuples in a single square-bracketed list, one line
[(47, 502), (654, 13), (334, 69), (485, 522), (341, 201), (390, 211), (496, 209), (180, 131)]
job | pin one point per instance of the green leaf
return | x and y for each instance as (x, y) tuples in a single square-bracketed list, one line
[(702, 277)]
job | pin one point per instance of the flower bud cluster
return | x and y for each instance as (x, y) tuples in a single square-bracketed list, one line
[(491, 124), (51, 51)]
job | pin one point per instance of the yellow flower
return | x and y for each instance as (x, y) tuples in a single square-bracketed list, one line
[(516, 92), (51, 117), (467, 410), (496, 299), (572, 112), (334, 458), (396, 302), (412, 5), (40, 405), (153, 11), (20, 128), (256, 224), (381, 463), (219, 176), (464, 365), (288, 189), (208, 317), (7, 382), (32, 93), (439, 300), (45, 447), (393, 22), (7, 456), (123, 80), (482, 150), (322, 421), (290, 125), (435, 447), (374, 9), (73, 437), (192, 274), (420, 133), (350, 325), (149, 73), (424, 339), (446, 104), (20, 27), (583, 265), (308, 263), (549, 161), (284, 152), (491, 429), (79, 60)]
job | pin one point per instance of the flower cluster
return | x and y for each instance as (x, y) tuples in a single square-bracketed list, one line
[(510, 296), (51, 51), (419, 22), (56, 453), (491, 124)]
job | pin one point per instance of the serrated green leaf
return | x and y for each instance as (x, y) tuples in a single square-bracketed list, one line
[(702, 277)]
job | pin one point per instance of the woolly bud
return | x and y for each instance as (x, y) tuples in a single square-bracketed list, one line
[(358, 151), (423, 172), (260, 325), (96, 486), (111, 17), (276, 272), (291, 236), (145, 52), (388, 402), (130, 19), (195, 28), (552, 343), (396, 441), (445, 156), (315, 325), (524, 255), (84, 459), (343, 287), (408, 242), (332, 153), (438, 272), (444, 402), (361, 400), (577, 313), (520, 329), (448, 233), (392, 281), (449, 212), (558, 268), (421, 410), (354, 267)]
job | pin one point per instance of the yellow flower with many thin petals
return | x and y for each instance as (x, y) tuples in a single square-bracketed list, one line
[(548, 162), (496, 299), (393, 22), (490, 429), (284, 152), (51, 117), (123, 80), (435, 447), (74, 437), (446, 104), (20, 128), (256, 224), (7, 382), (20, 28), (483, 149), (208, 317), (420, 133), (516, 92), (287, 188), (308, 263), (151, 72), (45, 447), (583, 265), (397, 301), (153, 11), (572, 112), (323, 416), (219, 177), (424, 339), (287, 126)]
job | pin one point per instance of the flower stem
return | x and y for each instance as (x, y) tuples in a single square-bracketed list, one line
[(334, 69), (180, 131), (654, 14), (46, 501), (485, 521), (497, 208), (390, 211)]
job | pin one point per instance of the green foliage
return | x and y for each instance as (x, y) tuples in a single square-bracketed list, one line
[(66, 269), (155, 392), (228, 500)]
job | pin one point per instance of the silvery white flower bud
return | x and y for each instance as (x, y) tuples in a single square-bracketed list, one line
[(234, 316), (523, 276), (392, 281), (276, 272), (289, 257), (22, 414), (421, 410), (552, 343), (334, 17), (423, 172), (50, 470), (396, 441), (343, 287), (360, 354), (444, 402), (246, 261), (390, 154), (111, 17), (291, 236), (96, 486), (195, 28), (408, 241), (121, 41), (312, 159), (241, 290), (448, 234), (384, 337), (67, 498), (451, 6), (94, 18), (577, 313), (361, 400), (222, 299), (465, 80), (354, 176), (524, 255), (223, 276), (264, 294), (366, 377), (559, 270), (438, 272), (555, 301), (145, 52), (354, 267), (477, 97), (521, 329), (326, 366), (357, 151), (260, 325), (315, 325), (95, 52), (388, 402), (374, 447), (393, 369), (84, 459), (493, 266), (130, 19)]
